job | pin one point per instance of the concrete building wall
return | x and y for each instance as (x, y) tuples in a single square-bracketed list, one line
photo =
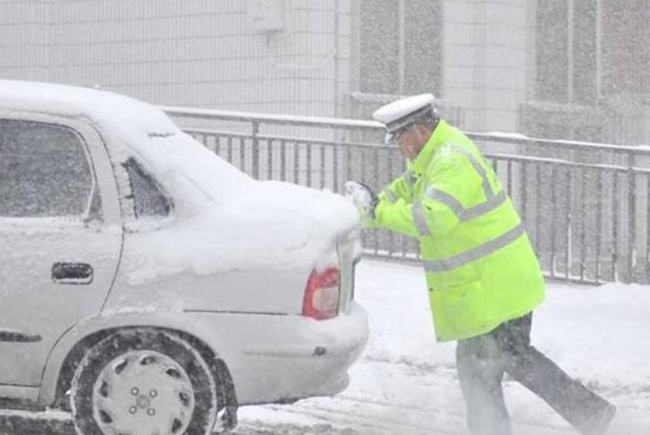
[(24, 39), (307, 57), (202, 53), (485, 60)]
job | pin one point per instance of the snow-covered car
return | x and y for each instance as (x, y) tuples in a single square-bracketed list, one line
[(149, 286)]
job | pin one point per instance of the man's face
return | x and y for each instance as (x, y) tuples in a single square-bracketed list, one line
[(412, 140)]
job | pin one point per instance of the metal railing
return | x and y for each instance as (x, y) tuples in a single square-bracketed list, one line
[(585, 205)]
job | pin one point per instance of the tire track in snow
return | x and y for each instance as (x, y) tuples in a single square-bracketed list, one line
[(370, 416), (365, 424)]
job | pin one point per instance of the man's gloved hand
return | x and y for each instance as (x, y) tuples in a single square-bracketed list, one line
[(363, 197)]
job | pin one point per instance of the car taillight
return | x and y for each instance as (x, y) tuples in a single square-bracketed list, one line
[(322, 294)]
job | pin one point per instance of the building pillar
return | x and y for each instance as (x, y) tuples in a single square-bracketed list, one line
[(486, 58)]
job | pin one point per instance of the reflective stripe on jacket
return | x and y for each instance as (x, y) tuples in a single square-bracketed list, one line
[(480, 266)]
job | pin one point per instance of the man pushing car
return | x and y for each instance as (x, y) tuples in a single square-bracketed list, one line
[(483, 277)]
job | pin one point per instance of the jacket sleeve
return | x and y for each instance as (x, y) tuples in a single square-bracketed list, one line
[(396, 196), (452, 184), (396, 190)]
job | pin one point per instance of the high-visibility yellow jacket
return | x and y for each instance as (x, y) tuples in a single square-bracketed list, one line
[(480, 267)]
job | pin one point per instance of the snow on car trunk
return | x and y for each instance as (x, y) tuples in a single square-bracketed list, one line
[(267, 225), (224, 220)]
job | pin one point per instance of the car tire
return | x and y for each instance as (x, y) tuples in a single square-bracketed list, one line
[(141, 381)]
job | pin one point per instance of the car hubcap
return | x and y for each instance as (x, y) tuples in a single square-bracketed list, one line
[(143, 393)]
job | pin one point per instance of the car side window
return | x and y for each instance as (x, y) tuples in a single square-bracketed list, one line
[(148, 198), (44, 171)]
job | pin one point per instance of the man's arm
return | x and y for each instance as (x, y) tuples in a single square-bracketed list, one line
[(400, 188), (436, 212)]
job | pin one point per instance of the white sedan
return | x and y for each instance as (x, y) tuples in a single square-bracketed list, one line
[(149, 286)]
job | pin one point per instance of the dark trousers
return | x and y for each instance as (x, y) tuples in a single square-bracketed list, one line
[(483, 360)]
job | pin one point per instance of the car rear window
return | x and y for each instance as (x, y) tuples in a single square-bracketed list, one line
[(44, 170), (148, 198)]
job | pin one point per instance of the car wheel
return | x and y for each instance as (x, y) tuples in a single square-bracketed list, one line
[(143, 382)]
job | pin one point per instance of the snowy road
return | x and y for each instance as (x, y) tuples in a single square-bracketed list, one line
[(405, 383)]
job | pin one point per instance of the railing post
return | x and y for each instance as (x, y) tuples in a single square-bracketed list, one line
[(599, 221), (256, 150), (631, 218), (647, 231)]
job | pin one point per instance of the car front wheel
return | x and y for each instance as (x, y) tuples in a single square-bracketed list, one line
[(143, 382)]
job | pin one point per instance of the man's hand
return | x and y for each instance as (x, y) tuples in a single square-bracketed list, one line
[(363, 197)]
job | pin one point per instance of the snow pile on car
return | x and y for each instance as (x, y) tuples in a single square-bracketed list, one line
[(268, 225)]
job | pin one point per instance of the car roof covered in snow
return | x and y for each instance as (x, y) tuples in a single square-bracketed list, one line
[(146, 131), (107, 109)]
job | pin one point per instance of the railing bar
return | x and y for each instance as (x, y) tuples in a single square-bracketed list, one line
[(322, 167), (217, 145), (269, 160), (599, 219), (264, 118), (569, 232), (647, 232), (335, 167), (305, 139), (519, 158), (296, 163), (538, 212), (309, 166), (583, 223), (374, 237), (524, 191), (509, 175), (255, 150), (283, 160), (229, 142), (376, 161), (398, 169), (615, 204), (631, 218), (562, 144), (553, 219), (242, 154), (222, 146), (390, 170), (348, 163), (205, 140)]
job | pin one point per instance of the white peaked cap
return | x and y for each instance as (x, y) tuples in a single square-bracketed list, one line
[(403, 111)]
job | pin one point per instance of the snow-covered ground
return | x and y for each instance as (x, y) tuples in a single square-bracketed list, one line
[(405, 383)]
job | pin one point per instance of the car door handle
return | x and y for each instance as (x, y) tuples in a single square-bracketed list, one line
[(18, 337), (72, 273)]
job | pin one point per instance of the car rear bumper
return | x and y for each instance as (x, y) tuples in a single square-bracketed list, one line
[(276, 358)]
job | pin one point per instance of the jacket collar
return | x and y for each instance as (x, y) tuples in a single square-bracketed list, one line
[(419, 165)]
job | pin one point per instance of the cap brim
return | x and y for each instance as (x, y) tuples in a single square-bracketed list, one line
[(409, 119)]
